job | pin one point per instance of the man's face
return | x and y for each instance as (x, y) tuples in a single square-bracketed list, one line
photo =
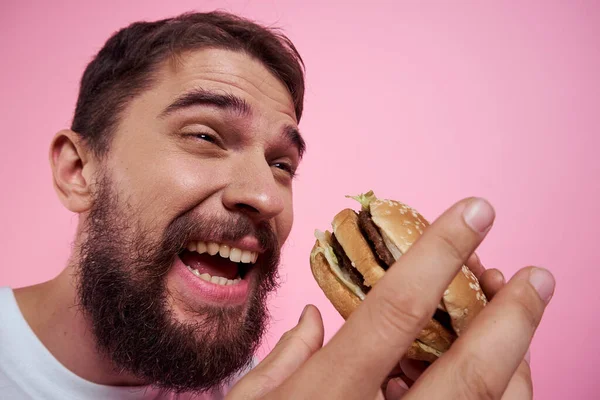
[(201, 163)]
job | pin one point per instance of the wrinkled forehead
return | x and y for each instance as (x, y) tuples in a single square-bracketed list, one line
[(228, 73)]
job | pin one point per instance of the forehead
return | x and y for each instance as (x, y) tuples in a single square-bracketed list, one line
[(228, 72)]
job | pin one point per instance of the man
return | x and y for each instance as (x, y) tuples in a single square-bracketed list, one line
[(180, 162)]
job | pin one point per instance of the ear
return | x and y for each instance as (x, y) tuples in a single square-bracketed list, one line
[(71, 171)]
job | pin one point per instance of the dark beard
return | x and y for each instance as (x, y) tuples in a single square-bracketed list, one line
[(122, 291)]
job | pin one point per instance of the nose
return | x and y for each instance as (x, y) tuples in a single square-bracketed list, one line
[(254, 191)]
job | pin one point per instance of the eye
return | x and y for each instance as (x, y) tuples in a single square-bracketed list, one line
[(285, 167), (206, 136), (200, 137)]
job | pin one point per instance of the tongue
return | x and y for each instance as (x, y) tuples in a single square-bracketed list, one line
[(212, 265)]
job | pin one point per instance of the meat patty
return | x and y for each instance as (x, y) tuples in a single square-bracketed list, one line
[(374, 237), (444, 319), (346, 265)]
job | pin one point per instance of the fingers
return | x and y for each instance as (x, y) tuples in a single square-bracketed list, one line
[(381, 329), (520, 386), (293, 349), (483, 360), (475, 265), (413, 368), (396, 389), (491, 282)]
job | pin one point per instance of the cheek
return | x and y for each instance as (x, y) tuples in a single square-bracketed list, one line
[(166, 186), (285, 221)]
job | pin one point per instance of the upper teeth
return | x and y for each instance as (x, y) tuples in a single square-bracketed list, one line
[(234, 254)]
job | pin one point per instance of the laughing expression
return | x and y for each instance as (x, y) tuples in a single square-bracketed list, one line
[(194, 203), (216, 136)]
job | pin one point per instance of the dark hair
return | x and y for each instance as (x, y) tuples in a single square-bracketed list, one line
[(124, 67)]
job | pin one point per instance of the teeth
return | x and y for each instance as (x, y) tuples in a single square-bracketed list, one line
[(225, 251), (204, 276), (218, 280), (213, 248), (246, 256), (236, 255)]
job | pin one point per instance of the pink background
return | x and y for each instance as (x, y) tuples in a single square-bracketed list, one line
[(424, 103)]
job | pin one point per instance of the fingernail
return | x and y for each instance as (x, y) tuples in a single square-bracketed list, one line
[(401, 383), (479, 215), (396, 389), (500, 274), (543, 282), (528, 357), (303, 312)]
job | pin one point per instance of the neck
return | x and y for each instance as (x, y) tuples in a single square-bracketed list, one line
[(52, 312)]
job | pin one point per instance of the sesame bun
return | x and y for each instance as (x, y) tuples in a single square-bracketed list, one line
[(399, 226)]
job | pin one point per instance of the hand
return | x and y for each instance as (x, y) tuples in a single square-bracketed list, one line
[(408, 371), (482, 363)]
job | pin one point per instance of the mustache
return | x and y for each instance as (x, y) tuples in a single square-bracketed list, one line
[(212, 228)]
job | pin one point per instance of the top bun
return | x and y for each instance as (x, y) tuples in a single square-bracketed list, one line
[(401, 226)]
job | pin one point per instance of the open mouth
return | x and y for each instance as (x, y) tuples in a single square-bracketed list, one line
[(217, 263)]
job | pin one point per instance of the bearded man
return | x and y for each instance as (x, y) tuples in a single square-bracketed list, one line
[(179, 163)]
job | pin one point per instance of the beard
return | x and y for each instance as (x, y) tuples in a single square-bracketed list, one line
[(121, 286)]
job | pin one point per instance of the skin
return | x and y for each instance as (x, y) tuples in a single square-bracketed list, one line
[(161, 170), (162, 173)]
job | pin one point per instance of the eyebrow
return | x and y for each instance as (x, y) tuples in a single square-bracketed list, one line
[(231, 103), (292, 134), (205, 97)]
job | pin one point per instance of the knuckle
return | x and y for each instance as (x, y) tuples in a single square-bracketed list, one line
[(398, 313), (286, 336), (522, 378), (302, 344), (449, 246), (294, 339), (470, 380), (262, 383), (524, 299)]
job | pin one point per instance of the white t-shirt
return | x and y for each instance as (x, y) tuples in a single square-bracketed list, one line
[(29, 371)]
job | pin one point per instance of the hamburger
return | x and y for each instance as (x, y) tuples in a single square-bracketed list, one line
[(349, 261)]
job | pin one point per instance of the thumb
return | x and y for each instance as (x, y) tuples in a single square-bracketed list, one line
[(293, 349)]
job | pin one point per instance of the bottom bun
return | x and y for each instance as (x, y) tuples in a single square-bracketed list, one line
[(343, 300)]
